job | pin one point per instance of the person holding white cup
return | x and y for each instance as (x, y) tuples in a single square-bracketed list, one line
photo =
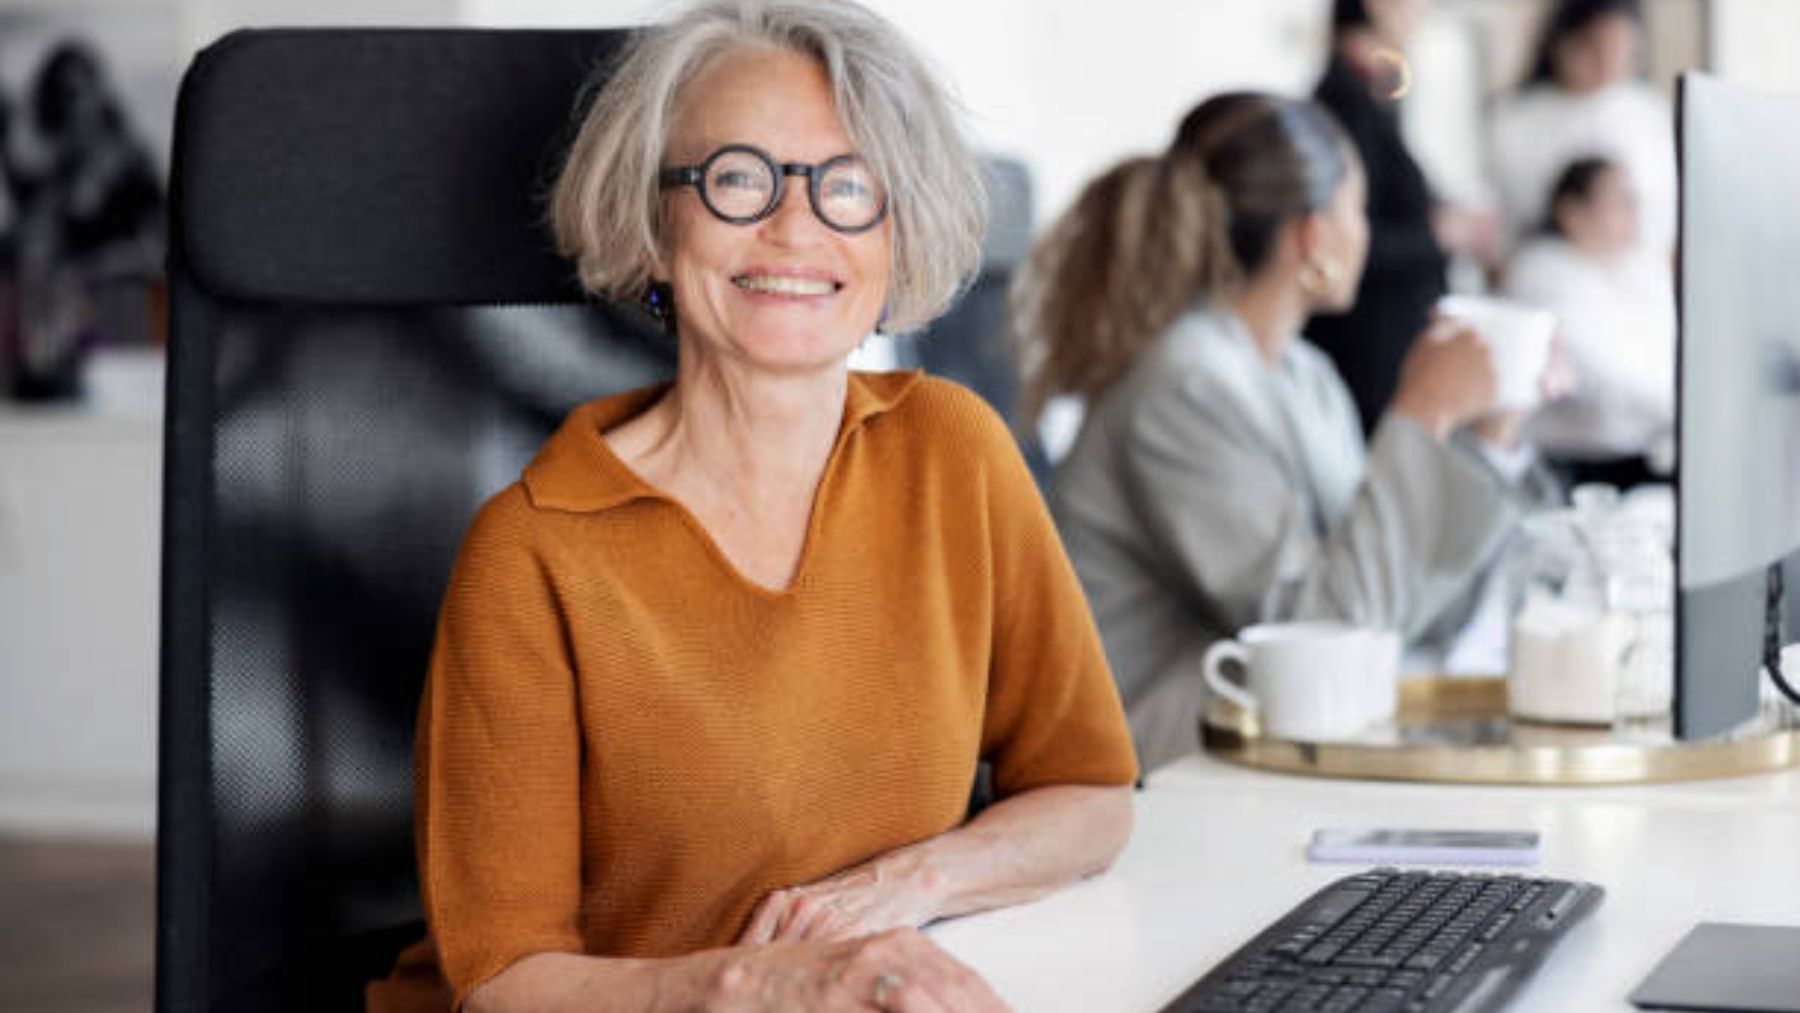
[(1220, 479)]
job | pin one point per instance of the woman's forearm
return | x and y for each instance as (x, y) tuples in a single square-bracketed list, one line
[(1018, 849), (557, 982)]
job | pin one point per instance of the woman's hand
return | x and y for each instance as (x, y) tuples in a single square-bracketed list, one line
[(1448, 378), (898, 971), (1020, 848), (874, 897), (1505, 428)]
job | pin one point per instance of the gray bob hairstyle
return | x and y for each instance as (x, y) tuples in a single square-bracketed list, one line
[(606, 207)]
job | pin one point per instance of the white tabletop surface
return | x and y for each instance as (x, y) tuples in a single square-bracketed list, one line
[(1217, 852)]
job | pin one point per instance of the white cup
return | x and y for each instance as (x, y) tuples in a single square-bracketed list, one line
[(1309, 681), (1517, 336), (1381, 675)]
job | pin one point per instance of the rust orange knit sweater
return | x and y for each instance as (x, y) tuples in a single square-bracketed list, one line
[(624, 745)]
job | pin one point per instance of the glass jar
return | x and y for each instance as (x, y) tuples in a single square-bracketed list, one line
[(1593, 611)]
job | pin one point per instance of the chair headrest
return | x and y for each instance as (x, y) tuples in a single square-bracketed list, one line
[(370, 168)]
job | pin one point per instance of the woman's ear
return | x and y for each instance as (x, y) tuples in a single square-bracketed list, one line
[(1312, 237), (1313, 242)]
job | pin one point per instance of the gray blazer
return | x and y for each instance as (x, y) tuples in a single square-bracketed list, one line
[(1208, 491)]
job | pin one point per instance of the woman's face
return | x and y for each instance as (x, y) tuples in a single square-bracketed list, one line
[(1600, 54), (1606, 221), (787, 293), (1397, 21), (1343, 242)]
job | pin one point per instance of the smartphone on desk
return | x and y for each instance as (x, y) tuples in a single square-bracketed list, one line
[(1393, 846)]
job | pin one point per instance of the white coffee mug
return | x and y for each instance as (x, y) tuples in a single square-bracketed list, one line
[(1309, 681), (1381, 675), (1517, 336)]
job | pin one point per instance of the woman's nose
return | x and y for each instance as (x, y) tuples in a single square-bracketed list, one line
[(793, 219)]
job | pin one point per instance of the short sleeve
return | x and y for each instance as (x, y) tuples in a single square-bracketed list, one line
[(1053, 712), (498, 757)]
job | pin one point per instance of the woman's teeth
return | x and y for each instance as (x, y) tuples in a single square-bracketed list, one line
[(784, 285)]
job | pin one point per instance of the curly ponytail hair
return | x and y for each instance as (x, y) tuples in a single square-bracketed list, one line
[(1153, 235)]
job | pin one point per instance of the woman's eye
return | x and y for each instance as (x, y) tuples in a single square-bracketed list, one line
[(739, 179), (846, 189)]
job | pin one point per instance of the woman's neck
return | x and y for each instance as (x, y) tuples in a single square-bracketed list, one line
[(745, 433), (1273, 309), (1596, 250), (1580, 86), (1360, 47)]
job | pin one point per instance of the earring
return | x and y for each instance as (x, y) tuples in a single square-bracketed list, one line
[(659, 301), (1399, 72), (1318, 278), (881, 321)]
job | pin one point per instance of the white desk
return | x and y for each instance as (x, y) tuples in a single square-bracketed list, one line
[(1219, 851)]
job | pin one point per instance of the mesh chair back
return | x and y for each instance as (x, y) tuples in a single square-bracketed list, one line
[(370, 334)]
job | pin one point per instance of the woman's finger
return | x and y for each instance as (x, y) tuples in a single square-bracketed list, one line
[(804, 916), (763, 922), (946, 982), (909, 996)]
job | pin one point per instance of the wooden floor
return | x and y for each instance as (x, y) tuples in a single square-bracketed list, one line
[(77, 924)]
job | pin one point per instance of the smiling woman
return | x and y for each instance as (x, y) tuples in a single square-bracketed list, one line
[(779, 283), (713, 679)]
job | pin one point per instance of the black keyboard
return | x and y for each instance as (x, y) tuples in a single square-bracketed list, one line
[(1397, 942)]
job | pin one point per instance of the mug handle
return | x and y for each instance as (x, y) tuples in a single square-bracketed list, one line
[(1211, 669)]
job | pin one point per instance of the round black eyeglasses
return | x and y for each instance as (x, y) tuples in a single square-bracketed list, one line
[(743, 185)]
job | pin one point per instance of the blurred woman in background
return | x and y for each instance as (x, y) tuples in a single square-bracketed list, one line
[(1585, 96), (1616, 314), (1220, 477), (1411, 235)]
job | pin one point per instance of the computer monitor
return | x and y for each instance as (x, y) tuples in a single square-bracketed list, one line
[(1738, 405)]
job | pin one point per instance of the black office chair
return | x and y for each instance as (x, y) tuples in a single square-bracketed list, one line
[(972, 344), (370, 334)]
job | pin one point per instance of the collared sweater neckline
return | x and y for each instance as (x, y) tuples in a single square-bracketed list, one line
[(577, 470)]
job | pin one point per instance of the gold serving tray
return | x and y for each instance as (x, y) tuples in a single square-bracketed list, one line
[(1458, 731)]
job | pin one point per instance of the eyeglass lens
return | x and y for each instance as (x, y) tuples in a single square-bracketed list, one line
[(740, 185)]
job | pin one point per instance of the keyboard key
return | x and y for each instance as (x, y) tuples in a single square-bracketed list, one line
[(1387, 1000), (1494, 928), (1344, 1000), (1323, 953), (1425, 960), (1293, 945), (1383, 960), (1309, 997), (1465, 958)]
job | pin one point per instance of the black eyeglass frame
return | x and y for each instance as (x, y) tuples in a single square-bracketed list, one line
[(695, 176)]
